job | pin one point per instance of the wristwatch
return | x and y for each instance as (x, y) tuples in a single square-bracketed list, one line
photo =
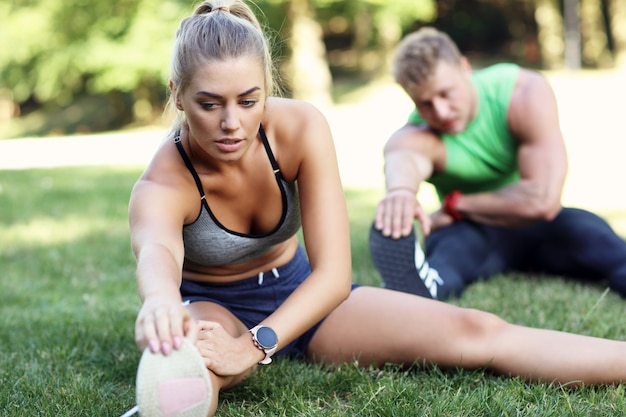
[(265, 339)]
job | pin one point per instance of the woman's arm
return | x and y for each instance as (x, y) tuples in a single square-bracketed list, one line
[(156, 218), (324, 219)]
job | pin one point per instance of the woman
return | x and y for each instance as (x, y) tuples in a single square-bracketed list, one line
[(223, 280)]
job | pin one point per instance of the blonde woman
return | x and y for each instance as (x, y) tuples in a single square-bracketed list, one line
[(225, 283)]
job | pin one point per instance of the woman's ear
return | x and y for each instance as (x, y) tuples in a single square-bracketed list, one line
[(174, 93)]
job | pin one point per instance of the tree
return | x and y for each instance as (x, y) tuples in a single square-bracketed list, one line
[(71, 48), (596, 36), (391, 19), (550, 28), (307, 67), (363, 33), (57, 51), (617, 22)]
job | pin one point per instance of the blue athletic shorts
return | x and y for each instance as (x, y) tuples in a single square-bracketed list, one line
[(251, 300)]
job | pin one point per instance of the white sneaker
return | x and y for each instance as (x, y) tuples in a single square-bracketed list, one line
[(176, 385)]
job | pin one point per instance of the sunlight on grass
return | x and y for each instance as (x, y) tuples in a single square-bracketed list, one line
[(49, 231)]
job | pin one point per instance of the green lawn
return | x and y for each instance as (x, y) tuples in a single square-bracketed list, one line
[(68, 304)]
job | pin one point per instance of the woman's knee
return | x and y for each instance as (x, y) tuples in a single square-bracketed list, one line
[(477, 328), (234, 380)]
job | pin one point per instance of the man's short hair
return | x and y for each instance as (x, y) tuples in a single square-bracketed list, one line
[(418, 54)]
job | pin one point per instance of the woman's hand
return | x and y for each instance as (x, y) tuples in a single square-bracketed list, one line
[(224, 354), (162, 324)]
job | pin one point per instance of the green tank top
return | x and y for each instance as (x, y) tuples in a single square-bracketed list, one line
[(483, 157)]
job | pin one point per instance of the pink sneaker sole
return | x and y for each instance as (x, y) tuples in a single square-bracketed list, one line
[(176, 385)]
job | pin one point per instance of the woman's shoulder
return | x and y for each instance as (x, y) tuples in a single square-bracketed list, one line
[(166, 167), (295, 129), (303, 111), (286, 118)]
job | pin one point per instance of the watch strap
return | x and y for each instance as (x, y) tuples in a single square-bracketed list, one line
[(268, 351)]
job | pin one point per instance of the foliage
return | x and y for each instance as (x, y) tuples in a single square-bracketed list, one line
[(81, 46), (404, 11), (65, 48), (57, 51)]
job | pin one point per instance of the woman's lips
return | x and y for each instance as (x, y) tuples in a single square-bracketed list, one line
[(229, 144)]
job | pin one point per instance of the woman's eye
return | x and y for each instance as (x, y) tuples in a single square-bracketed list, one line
[(208, 106), (248, 103)]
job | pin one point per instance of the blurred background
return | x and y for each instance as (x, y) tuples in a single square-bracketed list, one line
[(86, 66)]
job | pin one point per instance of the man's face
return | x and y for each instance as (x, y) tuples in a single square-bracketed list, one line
[(447, 101)]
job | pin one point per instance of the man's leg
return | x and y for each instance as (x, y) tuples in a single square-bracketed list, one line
[(455, 255), (580, 244), (402, 264)]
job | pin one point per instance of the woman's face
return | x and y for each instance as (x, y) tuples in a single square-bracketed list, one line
[(223, 104)]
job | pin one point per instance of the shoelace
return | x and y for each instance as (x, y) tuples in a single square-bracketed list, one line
[(131, 412)]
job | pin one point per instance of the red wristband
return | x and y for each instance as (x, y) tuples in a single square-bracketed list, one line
[(450, 202)]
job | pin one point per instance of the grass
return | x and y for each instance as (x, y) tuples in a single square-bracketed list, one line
[(68, 304)]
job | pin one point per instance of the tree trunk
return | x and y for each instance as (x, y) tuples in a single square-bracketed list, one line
[(362, 34), (307, 69), (550, 31), (389, 35), (572, 19), (595, 51), (618, 29)]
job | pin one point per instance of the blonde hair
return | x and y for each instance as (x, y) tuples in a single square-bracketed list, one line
[(418, 54), (218, 30)]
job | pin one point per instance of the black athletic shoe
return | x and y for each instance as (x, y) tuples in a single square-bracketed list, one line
[(402, 264)]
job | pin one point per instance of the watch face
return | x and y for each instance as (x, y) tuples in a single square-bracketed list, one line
[(266, 337)]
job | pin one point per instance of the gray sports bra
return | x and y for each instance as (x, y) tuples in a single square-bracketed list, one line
[(208, 242)]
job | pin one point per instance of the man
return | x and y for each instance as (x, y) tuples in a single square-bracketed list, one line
[(490, 143)]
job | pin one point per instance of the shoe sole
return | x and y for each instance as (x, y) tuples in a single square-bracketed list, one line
[(176, 385), (394, 259)]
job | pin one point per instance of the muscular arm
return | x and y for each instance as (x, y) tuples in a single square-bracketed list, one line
[(542, 159), (408, 161), (406, 165)]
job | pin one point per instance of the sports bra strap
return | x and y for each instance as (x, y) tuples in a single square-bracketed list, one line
[(269, 152), (190, 167), (193, 172)]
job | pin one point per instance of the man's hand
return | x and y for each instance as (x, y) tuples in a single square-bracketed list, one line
[(440, 219), (397, 211)]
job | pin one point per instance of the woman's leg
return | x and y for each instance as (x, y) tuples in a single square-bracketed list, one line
[(377, 325), (207, 311)]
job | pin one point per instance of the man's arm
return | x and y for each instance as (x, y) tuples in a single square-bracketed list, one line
[(407, 163), (542, 160)]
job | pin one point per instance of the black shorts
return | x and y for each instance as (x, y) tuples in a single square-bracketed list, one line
[(251, 300)]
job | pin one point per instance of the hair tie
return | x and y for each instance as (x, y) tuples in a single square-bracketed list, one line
[(221, 8)]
